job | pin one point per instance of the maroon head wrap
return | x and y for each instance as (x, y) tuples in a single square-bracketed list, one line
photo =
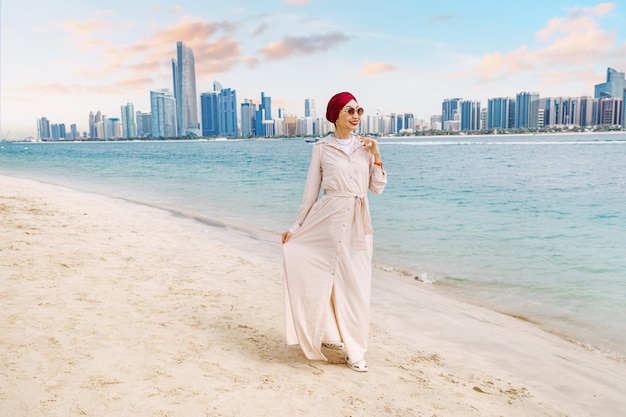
[(336, 103)]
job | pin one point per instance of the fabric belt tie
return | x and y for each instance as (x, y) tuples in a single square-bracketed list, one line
[(362, 219)]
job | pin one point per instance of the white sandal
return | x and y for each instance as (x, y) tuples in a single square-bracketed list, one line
[(358, 366), (333, 345)]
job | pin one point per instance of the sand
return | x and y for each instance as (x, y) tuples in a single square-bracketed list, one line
[(112, 308)]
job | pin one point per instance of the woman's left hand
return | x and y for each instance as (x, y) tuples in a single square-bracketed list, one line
[(372, 146)]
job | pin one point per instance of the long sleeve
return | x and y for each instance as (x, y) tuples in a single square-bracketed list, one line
[(311, 187), (378, 178)]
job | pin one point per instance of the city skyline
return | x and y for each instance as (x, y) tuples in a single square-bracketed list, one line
[(90, 59)]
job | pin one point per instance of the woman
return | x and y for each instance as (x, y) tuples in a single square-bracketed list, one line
[(328, 251)]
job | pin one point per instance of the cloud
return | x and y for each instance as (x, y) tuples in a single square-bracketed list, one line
[(215, 50), (442, 18), (141, 83), (297, 2), (372, 68), (566, 42), (51, 89), (293, 45), (85, 26), (262, 28)]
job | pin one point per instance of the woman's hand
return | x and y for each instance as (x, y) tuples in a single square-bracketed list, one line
[(372, 146), (286, 237)]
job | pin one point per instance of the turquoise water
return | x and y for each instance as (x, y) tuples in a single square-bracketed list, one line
[(533, 226)]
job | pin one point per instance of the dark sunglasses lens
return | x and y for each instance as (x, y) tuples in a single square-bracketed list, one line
[(350, 111), (360, 111)]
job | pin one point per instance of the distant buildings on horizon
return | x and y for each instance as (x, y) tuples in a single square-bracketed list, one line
[(175, 115)]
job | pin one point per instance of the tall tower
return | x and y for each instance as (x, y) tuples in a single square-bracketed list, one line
[(500, 113), (210, 116), (309, 108), (227, 104), (247, 118), (92, 125), (184, 75), (613, 87), (219, 111), (527, 110), (470, 115), (266, 106), (449, 111), (129, 127), (163, 114)]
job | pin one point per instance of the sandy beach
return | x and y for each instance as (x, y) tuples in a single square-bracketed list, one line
[(112, 308)]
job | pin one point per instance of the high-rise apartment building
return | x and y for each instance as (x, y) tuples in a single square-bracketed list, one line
[(92, 125), (613, 87), (527, 110), (227, 110), (74, 132), (219, 111), (144, 125), (184, 75), (247, 118), (501, 113), (163, 114), (586, 111), (129, 128), (470, 115), (263, 116), (449, 113), (610, 111), (209, 114), (43, 129), (309, 108)]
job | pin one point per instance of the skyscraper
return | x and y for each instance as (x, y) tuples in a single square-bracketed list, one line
[(500, 113), (247, 118), (43, 129), (309, 108), (92, 125), (449, 112), (227, 107), (144, 125), (163, 114), (527, 110), (613, 87), (184, 75), (470, 115), (610, 111), (209, 112), (129, 128), (266, 106), (219, 111)]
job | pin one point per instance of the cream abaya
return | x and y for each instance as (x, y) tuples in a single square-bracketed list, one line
[(328, 259)]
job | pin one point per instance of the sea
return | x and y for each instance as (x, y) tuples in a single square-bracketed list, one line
[(533, 226)]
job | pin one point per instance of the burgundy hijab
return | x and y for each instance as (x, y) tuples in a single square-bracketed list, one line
[(336, 103)]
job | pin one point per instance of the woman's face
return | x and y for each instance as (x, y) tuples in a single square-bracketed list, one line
[(347, 121)]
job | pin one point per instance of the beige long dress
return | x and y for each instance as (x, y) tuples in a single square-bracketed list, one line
[(328, 260)]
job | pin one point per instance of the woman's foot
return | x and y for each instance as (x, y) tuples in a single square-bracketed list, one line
[(333, 345), (358, 366)]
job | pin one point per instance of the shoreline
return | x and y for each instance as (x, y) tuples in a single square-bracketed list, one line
[(213, 139), (268, 237), (110, 304)]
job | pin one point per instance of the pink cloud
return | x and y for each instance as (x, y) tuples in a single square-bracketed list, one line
[(85, 27), (574, 40), (52, 89), (372, 68)]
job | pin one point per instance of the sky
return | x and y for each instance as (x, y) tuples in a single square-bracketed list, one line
[(61, 60)]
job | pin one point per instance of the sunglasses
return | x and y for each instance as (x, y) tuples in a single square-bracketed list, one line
[(351, 110)]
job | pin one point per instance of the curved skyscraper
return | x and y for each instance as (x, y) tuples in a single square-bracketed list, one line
[(184, 75)]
